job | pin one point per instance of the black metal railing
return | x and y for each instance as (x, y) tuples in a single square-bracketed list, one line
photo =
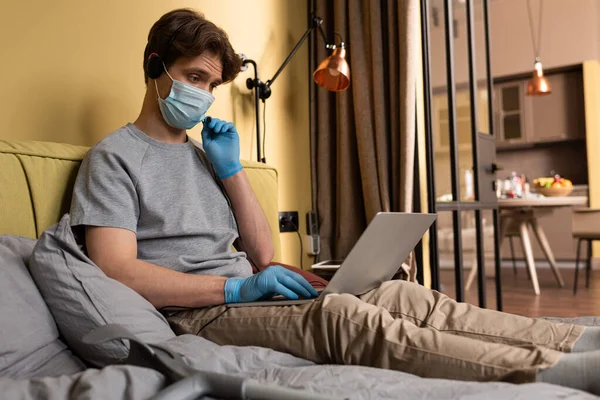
[(456, 206)]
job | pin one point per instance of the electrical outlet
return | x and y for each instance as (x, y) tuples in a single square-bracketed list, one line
[(288, 221)]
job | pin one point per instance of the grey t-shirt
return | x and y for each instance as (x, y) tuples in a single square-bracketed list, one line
[(165, 195)]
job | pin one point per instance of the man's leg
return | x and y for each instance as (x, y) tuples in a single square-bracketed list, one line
[(428, 308), (343, 329)]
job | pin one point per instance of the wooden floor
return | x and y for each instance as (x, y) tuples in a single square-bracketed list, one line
[(518, 296)]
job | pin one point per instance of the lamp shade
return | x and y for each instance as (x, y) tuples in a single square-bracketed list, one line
[(538, 85), (334, 72)]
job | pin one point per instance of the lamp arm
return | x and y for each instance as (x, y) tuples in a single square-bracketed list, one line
[(323, 35), (317, 22), (259, 91), (262, 90)]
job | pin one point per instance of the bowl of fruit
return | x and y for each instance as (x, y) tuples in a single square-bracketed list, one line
[(554, 186)]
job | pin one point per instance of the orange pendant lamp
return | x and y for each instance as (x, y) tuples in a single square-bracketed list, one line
[(538, 85)]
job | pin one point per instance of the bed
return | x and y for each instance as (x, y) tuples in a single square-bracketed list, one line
[(40, 359)]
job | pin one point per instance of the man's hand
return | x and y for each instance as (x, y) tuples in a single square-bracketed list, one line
[(271, 281), (221, 143)]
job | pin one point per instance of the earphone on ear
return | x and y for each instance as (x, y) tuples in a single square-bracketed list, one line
[(155, 64)]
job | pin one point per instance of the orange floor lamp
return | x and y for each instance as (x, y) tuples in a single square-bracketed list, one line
[(333, 74)]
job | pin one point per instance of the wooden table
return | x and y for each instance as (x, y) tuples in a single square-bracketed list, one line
[(517, 216)]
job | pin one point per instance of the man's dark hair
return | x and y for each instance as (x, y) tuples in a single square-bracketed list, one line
[(195, 36)]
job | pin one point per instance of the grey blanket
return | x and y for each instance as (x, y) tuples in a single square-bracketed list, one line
[(128, 382)]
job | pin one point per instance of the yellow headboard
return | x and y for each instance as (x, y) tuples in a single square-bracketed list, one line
[(36, 181)]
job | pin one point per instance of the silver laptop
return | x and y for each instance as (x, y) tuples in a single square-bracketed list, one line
[(374, 259)]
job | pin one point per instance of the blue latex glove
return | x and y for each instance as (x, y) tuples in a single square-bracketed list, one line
[(221, 143), (271, 281)]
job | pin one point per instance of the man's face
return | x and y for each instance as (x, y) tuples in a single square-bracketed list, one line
[(203, 71)]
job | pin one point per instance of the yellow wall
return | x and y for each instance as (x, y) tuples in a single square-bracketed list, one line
[(591, 93), (72, 72)]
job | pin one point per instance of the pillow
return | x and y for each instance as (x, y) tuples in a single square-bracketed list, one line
[(81, 298), (29, 345)]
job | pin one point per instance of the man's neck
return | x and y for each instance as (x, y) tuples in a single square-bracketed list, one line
[(151, 122)]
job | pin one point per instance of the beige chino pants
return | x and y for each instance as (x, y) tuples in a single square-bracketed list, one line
[(401, 326)]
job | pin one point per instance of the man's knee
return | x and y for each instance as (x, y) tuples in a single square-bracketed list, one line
[(341, 304), (403, 299)]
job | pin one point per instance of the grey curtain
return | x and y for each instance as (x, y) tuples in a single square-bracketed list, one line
[(363, 139)]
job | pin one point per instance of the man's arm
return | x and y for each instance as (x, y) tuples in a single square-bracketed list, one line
[(114, 250), (252, 223)]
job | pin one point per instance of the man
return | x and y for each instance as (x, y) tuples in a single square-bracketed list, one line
[(156, 219)]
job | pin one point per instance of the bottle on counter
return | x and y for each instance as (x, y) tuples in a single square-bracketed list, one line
[(499, 188), (507, 189), (516, 185), (525, 186), (469, 188)]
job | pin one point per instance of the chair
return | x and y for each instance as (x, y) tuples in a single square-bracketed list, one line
[(473, 273), (586, 227)]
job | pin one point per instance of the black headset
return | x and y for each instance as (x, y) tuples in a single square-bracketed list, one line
[(155, 65)]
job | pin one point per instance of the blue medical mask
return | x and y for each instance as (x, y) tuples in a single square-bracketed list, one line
[(185, 106)]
